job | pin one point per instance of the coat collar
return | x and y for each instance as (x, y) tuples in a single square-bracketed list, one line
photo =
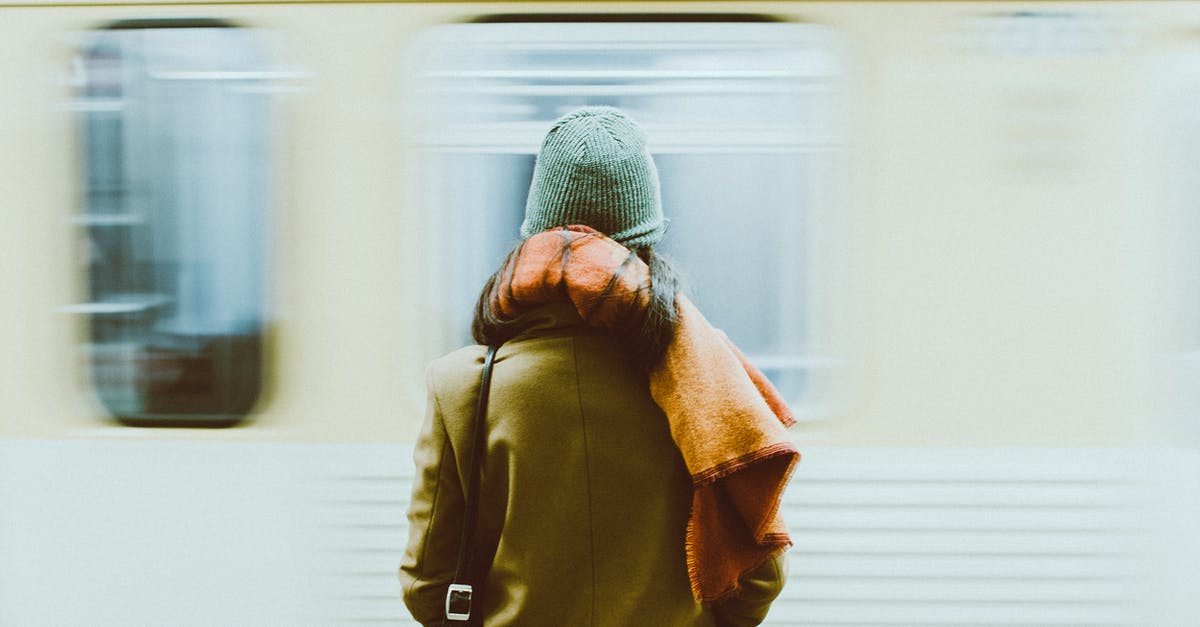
[(550, 319)]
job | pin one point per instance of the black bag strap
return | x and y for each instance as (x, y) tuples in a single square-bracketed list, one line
[(460, 593)]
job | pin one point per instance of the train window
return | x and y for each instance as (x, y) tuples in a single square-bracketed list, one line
[(741, 121), (172, 228)]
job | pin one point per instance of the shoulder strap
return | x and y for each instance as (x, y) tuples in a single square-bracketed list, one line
[(459, 595)]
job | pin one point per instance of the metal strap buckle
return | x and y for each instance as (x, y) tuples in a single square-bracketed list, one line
[(458, 601)]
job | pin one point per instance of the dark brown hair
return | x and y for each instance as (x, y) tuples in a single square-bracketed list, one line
[(647, 333)]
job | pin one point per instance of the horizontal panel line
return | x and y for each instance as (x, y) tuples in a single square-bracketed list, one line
[(659, 149), (893, 482), (372, 621), (806, 506), (389, 598), (562, 74), (369, 478), (959, 553), (403, 503), (583, 89), (367, 615), (1111, 602), (964, 578), (959, 623), (228, 75), (390, 550), (377, 526), (1012, 530), (598, 47)]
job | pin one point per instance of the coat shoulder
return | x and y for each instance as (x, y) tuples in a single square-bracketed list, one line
[(452, 371), (456, 362)]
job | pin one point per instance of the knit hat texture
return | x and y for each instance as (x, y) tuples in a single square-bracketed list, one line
[(594, 170)]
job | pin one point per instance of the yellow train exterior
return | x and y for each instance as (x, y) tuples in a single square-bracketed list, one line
[(989, 297)]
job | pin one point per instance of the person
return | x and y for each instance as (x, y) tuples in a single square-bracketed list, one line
[(633, 459)]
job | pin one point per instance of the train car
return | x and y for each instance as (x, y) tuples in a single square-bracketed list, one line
[(962, 238)]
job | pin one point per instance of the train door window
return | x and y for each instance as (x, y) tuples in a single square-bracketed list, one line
[(173, 224), (741, 121)]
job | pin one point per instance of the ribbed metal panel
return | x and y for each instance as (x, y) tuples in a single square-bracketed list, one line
[(213, 533), (360, 531), (987, 537), (972, 538)]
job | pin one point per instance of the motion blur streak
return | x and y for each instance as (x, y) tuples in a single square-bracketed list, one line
[(963, 238)]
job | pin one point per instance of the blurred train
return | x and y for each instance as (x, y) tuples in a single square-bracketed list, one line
[(963, 238)]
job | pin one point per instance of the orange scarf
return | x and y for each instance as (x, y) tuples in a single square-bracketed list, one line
[(725, 416)]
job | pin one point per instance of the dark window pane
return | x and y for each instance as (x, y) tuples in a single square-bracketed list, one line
[(175, 147)]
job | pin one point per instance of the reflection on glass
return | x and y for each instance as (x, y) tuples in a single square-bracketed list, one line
[(173, 228), (739, 117)]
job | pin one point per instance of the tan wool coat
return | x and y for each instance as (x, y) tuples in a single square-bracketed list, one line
[(584, 499)]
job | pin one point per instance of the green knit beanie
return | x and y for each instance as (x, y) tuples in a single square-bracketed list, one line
[(594, 170)]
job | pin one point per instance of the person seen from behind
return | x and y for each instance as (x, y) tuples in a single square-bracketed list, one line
[(632, 459)]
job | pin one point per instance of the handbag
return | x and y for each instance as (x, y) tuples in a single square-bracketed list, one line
[(460, 594)]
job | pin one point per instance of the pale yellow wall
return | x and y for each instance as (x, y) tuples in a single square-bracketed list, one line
[(990, 220), (999, 280)]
